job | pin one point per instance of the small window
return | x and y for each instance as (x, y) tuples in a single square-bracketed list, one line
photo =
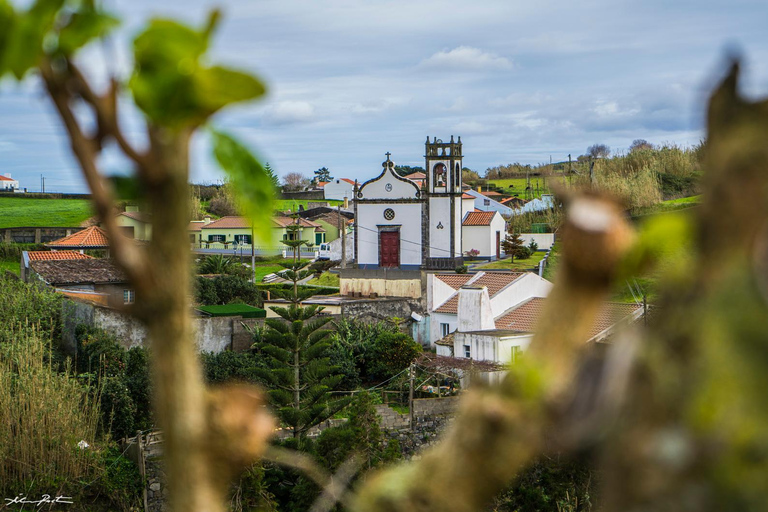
[(486, 202), (445, 329), (216, 238), (243, 239), (467, 352), (129, 296)]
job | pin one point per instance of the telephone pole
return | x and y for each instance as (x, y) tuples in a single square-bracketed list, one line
[(343, 234)]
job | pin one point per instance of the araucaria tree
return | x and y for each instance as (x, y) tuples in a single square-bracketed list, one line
[(512, 244), (297, 350), (323, 174)]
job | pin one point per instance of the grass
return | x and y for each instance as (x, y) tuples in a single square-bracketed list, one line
[(22, 212), (326, 279), (672, 205), (293, 204), (514, 186), (531, 262), (12, 265), (263, 271)]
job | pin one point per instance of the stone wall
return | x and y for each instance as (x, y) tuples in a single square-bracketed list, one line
[(32, 235), (213, 334)]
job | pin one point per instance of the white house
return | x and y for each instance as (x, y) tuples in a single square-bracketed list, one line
[(7, 184), (339, 189), (483, 231), (486, 204), (504, 290)]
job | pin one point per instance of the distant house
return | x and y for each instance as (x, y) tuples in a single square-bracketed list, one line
[(28, 257), (89, 238), (233, 231), (8, 184), (417, 177), (331, 222), (504, 290), (135, 224), (513, 202), (338, 189), (488, 204), (483, 231), (97, 280)]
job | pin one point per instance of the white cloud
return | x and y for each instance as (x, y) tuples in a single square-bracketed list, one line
[(466, 58), (471, 128), (289, 112)]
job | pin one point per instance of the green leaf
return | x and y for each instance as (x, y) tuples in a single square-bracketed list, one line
[(23, 46), (85, 24), (250, 180), (217, 87), (171, 84), (7, 21)]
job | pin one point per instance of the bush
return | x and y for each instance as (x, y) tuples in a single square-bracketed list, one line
[(120, 481), (523, 253), (533, 246), (392, 353), (28, 305), (232, 366), (117, 408), (226, 290), (320, 266), (472, 254), (461, 270)]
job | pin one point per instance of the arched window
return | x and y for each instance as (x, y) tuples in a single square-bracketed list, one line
[(438, 175)]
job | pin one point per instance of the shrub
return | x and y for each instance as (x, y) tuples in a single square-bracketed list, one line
[(226, 290), (227, 366), (119, 480), (523, 253), (117, 408), (461, 269), (390, 354), (533, 246), (28, 304), (472, 254)]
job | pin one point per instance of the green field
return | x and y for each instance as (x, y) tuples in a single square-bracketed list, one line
[(22, 212), (514, 186), (326, 279), (668, 206), (12, 265), (293, 204)]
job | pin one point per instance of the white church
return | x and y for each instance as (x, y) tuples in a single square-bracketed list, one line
[(400, 225)]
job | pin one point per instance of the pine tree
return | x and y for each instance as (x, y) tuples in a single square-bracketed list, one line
[(323, 174), (512, 244), (296, 347), (272, 176)]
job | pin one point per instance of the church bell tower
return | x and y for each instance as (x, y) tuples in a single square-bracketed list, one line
[(442, 226)]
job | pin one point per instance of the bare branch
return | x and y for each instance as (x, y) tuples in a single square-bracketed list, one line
[(125, 252)]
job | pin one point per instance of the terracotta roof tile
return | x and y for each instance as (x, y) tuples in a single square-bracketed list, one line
[(524, 316), (286, 221), (467, 196), (494, 281), (446, 341), (418, 175), (478, 218), (351, 182), (56, 255), (5, 178), (195, 225), (455, 281), (69, 272), (93, 236), (232, 222), (491, 193)]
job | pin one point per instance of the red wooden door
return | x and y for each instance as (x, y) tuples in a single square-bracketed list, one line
[(389, 249)]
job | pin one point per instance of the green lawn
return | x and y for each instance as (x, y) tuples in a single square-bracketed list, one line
[(668, 206), (22, 212), (326, 279), (263, 271), (531, 262)]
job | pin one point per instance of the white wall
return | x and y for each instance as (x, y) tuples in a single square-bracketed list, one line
[(401, 188), (505, 346), (338, 189), (467, 205), (440, 239), (523, 288), (407, 216), (483, 347), (544, 240), (475, 312), (437, 292), (435, 319), (335, 248)]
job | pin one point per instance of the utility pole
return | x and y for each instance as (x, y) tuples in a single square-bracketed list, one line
[(592, 171), (343, 233), (410, 396)]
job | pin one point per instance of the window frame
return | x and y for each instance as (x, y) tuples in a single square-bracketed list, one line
[(129, 296)]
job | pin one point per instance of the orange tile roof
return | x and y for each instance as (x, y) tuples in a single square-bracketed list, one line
[(491, 193), (93, 236), (195, 225), (351, 182), (286, 221), (467, 196), (5, 178), (418, 175), (455, 281), (56, 255), (494, 281), (524, 316), (232, 222), (478, 218)]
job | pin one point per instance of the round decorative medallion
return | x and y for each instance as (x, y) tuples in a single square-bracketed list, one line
[(388, 187), (389, 214)]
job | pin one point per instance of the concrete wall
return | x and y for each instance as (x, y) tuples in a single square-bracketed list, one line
[(475, 313), (338, 189), (336, 248), (544, 240), (435, 319), (384, 282)]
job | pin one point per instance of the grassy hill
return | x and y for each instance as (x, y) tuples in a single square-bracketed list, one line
[(23, 212), (512, 186)]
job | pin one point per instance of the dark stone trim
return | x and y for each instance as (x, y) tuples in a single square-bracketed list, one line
[(387, 201), (357, 220), (394, 174)]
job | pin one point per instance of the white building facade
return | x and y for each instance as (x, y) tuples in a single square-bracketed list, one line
[(8, 184), (339, 189)]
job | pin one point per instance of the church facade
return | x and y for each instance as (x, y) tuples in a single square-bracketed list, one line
[(402, 225)]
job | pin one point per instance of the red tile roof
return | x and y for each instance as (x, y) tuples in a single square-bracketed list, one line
[(5, 178), (455, 281), (467, 196), (478, 218), (491, 193), (418, 175), (524, 316), (92, 237), (56, 255), (351, 182), (195, 225), (494, 281), (286, 221), (232, 222), (74, 272)]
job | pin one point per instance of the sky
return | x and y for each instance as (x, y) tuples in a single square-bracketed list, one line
[(350, 80)]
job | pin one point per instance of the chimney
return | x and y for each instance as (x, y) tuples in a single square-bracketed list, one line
[(346, 203), (479, 188), (206, 220), (475, 313), (7, 175)]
